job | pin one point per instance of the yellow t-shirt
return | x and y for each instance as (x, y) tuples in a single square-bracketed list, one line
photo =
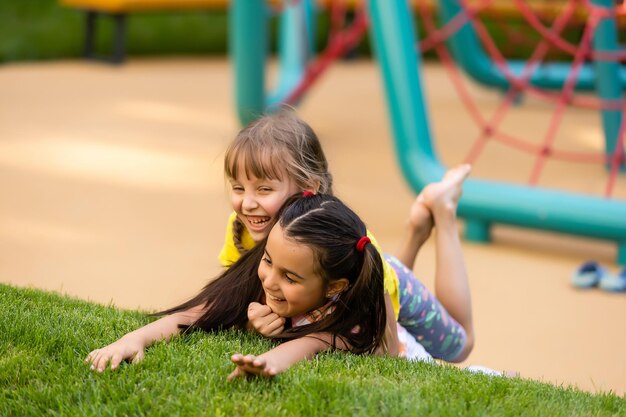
[(229, 255)]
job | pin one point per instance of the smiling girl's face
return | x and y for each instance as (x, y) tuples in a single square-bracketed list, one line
[(257, 201), (290, 278)]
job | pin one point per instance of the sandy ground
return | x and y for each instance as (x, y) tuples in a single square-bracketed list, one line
[(112, 191)]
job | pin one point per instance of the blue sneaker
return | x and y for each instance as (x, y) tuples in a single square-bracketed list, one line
[(588, 275), (614, 283)]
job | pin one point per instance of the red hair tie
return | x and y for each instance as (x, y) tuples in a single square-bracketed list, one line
[(308, 194), (360, 245)]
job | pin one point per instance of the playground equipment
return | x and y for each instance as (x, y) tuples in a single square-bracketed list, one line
[(251, 28), (118, 10), (465, 44), (297, 67), (606, 76), (484, 202)]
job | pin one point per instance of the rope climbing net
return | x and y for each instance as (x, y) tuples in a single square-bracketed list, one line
[(548, 26), (581, 54)]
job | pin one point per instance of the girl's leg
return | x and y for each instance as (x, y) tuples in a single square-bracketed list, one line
[(451, 283), (420, 223), (423, 316), (418, 229)]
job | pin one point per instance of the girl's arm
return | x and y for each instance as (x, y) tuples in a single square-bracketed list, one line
[(131, 346), (283, 356), (280, 358)]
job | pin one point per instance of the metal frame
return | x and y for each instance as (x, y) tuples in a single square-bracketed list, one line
[(484, 202)]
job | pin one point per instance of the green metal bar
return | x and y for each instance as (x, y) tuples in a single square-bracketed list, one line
[(249, 35), (608, 84), (470, 55), (248, 50), (483, 202)]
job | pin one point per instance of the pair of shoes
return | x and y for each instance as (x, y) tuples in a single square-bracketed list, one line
[(588, 275), (591, 274), (614, 283)]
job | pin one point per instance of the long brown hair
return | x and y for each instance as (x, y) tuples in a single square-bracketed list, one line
[(331, 230)]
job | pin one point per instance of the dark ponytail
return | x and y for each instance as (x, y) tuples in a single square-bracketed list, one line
[(332, 231)]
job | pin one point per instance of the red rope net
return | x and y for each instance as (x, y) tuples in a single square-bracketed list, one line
[(581, 53), (344, 37)]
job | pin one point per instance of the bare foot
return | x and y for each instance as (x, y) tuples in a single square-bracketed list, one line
[(444, 195)]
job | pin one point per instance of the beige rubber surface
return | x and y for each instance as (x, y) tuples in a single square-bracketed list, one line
[(112, 191)]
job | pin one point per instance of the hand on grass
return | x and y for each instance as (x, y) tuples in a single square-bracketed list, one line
[(124, 349), (250, 365), (262, 319)]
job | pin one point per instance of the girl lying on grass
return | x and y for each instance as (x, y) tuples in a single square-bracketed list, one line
[(309, 261), (273, 158), (423, 322), (318, 270), (279, 155)]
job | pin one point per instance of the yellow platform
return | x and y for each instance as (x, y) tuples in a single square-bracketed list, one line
[(124, 6)]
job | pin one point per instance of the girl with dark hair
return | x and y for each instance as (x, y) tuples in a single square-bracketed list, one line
[(316, 258), (320, 272), (427, 326), (271, 159)]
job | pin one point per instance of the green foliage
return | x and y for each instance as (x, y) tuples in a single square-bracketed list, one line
[(44, 338), (43, 29)]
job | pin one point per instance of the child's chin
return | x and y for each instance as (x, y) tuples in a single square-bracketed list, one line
[(257, 235)]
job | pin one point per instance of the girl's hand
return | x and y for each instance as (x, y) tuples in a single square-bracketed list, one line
[(124, 349), (262, 319), (281, 357), (251, 365)]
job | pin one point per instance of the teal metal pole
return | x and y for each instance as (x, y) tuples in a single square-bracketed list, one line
[(248, 50), (471, 56), (294, 49), (393, 39), (483, 202), (608, 80), (249, 36)]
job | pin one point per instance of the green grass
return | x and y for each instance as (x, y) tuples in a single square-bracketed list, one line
[(44, 30), (33, 30), (44, 338)]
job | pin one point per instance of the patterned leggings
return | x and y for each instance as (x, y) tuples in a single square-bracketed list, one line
[(422, 315)]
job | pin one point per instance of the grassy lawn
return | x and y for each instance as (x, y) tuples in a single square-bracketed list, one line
[(44, 338), (43, 30), (32, 30)]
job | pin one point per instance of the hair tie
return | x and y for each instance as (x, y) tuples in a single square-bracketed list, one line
[(308, 194), (360, 245)]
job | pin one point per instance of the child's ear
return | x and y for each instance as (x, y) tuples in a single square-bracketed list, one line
[(336, 287)]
